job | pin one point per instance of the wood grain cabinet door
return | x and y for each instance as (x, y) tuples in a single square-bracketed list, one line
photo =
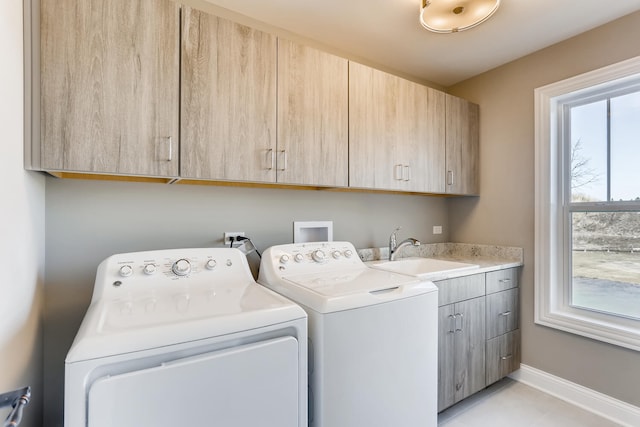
[(502, 312), (375, 157), (228, 100), (503, 356), (462, 146), (109, 86), (446, 356), (461, 350), (313, 130), (396, 132), (423, 138), (501, 280), (470, 347)]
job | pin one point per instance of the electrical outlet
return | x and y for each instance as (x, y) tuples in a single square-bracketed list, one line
[(437, 229), (229, 234)]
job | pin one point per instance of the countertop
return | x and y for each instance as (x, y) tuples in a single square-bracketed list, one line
[(487, 257)]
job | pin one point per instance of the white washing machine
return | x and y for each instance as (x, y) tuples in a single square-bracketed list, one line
[(372, 336), (186, 337)]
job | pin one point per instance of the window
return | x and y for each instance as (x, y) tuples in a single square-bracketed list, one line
[(587, 273)]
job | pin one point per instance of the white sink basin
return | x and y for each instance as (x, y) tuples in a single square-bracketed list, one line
[(422, 267)]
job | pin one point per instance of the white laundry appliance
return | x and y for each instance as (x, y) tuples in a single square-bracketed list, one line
[(186, 337), (372, 336)]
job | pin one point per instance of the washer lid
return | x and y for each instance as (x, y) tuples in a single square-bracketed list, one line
[(350, 288), (141, 321)]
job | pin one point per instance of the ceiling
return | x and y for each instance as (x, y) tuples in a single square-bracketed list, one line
[(387, 32)]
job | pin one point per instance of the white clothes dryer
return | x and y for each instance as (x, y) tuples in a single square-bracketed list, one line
[(186, 337), (372, 336)]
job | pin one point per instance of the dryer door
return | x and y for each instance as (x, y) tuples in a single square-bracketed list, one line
[(251, 385)]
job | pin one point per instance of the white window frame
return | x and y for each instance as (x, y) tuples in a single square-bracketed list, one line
[(552, 234)]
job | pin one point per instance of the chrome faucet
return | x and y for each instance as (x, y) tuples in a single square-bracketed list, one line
[(394, 248)]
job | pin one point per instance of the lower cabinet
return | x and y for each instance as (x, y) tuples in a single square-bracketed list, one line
[(503, 316), (478, 339), (502, 312), (461, 351), (503, 356)]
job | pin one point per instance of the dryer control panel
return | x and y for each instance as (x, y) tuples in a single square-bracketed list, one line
[(165, 270)]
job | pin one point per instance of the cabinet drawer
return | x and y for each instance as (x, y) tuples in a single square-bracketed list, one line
[(502, 280), (460, 289), (503, 356), (502, 312)]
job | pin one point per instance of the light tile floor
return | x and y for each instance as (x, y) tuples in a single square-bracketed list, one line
[(509, 403)]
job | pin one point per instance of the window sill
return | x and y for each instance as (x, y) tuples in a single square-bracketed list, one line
[(597, 326)]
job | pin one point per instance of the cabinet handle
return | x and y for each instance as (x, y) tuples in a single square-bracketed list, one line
[(505, 314), (507, 357), (504, 280), (284, 160), (271, 155), (406, 169), (461, 322), (452, 329), (170, 141), (449, 177), (397, 172)]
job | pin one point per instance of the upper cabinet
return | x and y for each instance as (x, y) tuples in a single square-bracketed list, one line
[(396, 133), (462, 146), (109, 86), (228, 100), (312, 146), (128, 88), (243, 121)]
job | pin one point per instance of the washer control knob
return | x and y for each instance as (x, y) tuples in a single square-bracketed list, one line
[(298, 257), (181, 267), (335, 254), (211, 264), (126, 271), (284, 259), (318, 255), (348, 253), (149, 269)]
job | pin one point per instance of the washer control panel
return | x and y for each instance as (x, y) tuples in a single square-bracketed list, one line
[(301, 258)]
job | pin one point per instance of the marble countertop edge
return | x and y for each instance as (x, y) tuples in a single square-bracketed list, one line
[(487, 257)]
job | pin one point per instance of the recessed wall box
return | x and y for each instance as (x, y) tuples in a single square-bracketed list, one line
[(312, 231)]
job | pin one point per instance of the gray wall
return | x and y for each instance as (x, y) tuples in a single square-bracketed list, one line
[(504, 214), (87, 221)]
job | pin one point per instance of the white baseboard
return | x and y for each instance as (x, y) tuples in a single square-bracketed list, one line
[(605, 406)]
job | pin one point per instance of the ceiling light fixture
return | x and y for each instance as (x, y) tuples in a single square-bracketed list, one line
[(451, 16)]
